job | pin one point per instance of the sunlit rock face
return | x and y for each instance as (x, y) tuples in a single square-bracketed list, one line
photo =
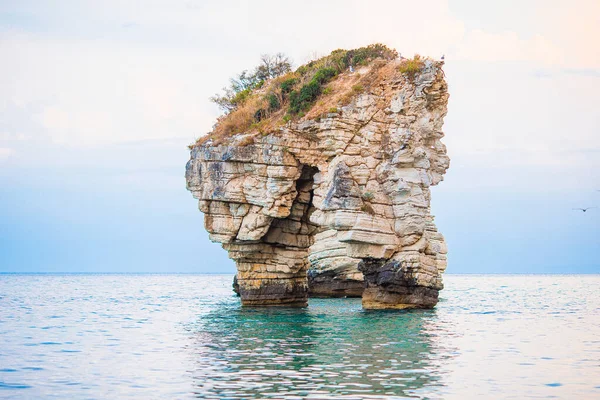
[(338, 205)]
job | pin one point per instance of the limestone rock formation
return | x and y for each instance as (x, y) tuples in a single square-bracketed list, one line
[(339, 200)]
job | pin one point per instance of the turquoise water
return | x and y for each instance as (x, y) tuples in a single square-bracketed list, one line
[(185, 336)]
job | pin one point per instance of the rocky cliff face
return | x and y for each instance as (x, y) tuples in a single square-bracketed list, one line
[(338, 201)]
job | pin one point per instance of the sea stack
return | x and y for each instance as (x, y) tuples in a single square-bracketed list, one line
[(331, 196)]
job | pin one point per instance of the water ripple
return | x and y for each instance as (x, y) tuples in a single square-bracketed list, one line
[(182, 336)]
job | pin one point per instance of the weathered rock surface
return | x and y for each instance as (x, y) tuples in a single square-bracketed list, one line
[(340, 202)]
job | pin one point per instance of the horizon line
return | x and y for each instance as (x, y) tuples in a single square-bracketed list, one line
[(233, 273)]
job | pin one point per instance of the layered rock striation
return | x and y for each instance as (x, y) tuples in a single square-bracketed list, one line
[(338, 201)]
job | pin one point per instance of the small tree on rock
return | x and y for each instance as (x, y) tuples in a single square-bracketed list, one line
[(240, 87)]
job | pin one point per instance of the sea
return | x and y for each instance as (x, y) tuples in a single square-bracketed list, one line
[(186, 337)]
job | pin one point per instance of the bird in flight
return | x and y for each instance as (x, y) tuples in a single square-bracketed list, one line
[(584, 209)]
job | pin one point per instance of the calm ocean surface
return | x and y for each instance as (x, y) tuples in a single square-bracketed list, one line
[(185, 336)]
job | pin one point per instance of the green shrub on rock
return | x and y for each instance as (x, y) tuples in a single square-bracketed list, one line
[(412, 67), (274, 103), (288, 85), (301, 100)]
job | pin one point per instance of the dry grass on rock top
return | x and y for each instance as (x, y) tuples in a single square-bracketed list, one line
[(318, 88)]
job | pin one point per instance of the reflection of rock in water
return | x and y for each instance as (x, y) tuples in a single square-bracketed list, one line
[(236, 286), (331, 348)]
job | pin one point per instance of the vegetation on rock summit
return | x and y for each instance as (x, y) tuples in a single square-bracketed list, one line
[(272, 94)]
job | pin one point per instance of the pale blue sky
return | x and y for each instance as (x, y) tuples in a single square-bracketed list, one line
[(98, 101)]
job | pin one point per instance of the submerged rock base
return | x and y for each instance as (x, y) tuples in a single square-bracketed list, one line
[(328, 286), (338, 202), (396, 285)]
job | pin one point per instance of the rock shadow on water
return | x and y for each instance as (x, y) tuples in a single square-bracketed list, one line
[(332, 348)]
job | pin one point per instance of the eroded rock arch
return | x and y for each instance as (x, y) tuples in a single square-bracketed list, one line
[(343, 199)]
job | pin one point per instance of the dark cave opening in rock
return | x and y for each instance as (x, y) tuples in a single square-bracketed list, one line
[(323, 278), (295, 234), (296, 230)]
